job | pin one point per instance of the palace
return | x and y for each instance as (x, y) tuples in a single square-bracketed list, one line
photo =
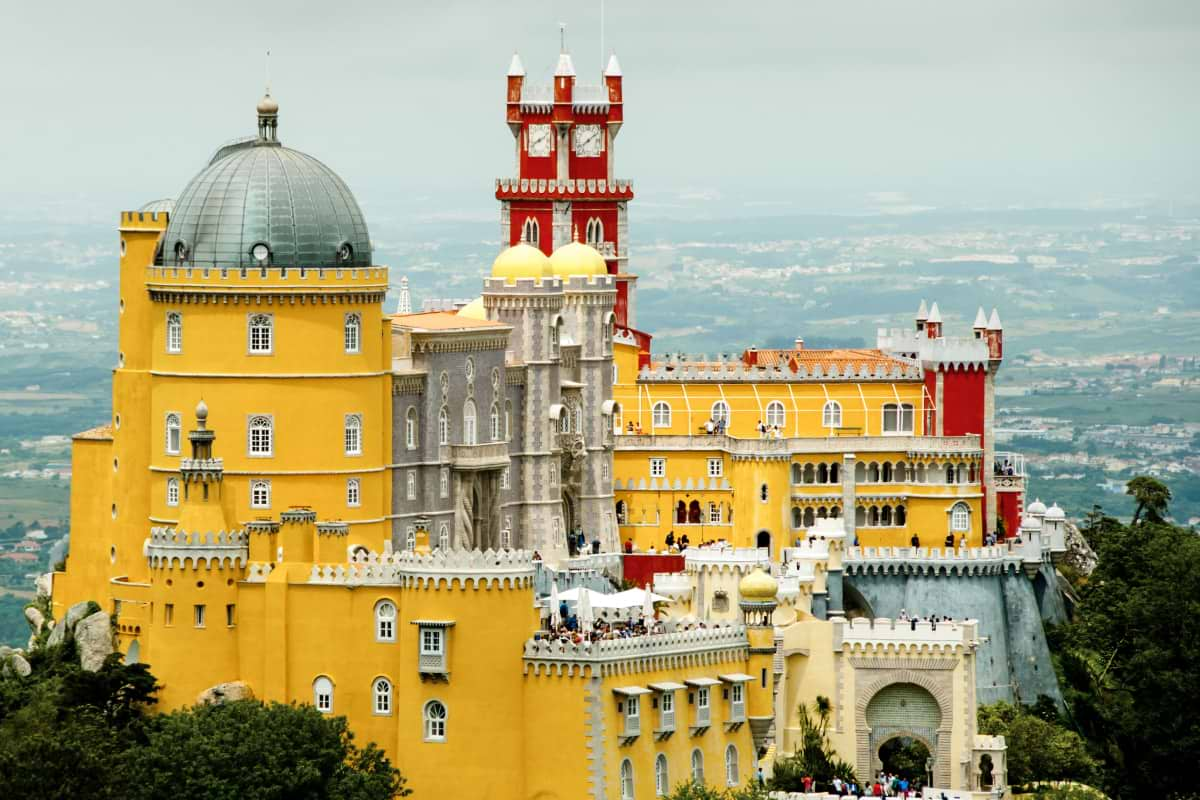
[(308, 499)]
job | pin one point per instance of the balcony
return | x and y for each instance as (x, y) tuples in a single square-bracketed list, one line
[(470, 457), (805, 445)]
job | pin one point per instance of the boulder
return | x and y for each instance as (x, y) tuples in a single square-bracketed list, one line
[(74, 614), (18, 664), (94, 637), (229, 692), (36, 619), (44, 584), (1080, 554), (58, 633)]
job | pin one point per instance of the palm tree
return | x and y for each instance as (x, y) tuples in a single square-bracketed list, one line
[(1152, 496)]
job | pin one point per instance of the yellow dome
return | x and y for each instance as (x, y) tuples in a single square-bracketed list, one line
[(473, 310), (577, 259), (521, 261), (758, 586)]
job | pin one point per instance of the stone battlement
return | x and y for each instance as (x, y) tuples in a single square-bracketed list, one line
[(739, 558), (167, 548), (887, 634), (439, 569), (508, 188), (267, 278), (912, 446), (735, 370), (651, 652), (904, 560)]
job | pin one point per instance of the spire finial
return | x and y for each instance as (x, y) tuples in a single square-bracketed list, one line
[(575, 233), (562, 37), (268, 70)]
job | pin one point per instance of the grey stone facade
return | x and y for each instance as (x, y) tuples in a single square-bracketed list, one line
[(538, 464)]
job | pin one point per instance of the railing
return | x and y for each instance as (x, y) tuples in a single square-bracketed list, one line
[(698, 557), (805, 445), (1009, 463), (646, 646), (489, 455)]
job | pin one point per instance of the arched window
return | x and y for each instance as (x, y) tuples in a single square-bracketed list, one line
[(494, 423), (822, 473), (352, 333), (323, 695), (622, 513), (174, 332), (508, 420), (822, 512), (530, 232), (921, 472), (763, 493), (382, 692), (681, 513), (555, 335), (694, 517), (731, 766), (617, 420), (971, 472), (960, 518), (595, 231), (661, 415), (797, 474), (577, 413), (261, 333), (776, 416), (353, 492), (410, 485), (873, 517), (886, 473), (174, 434), (698, 766), (564, 421), (443, 426), (860, 472), (353, 437), (606, 337), (897, 418), (831, 414), (627, 777), (902, 473), (835, 473), (385, 621), (960, 474), (662, 780), (410, 538), (435, 721), (469, 422), (901, 516), (172, 491), (835, 512), (873, 473), (949, 473), (810, 473), (410, 428), (260, 436), (809, 517), (260, 494), (797, 517), (860, 517), (444, 536), (885, 515), (720, 414)]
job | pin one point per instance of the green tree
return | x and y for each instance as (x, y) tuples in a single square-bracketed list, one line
[(1131, 660), (695, 790), (1039, 749), (815, 756), (1152, 496)]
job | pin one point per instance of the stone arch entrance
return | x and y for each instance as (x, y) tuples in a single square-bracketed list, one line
[(910, 704), (763, 539)]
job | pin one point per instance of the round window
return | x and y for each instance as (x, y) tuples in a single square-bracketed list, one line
[(260, 253)]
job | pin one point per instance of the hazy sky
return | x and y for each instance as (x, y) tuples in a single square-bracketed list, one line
[(754, 105)]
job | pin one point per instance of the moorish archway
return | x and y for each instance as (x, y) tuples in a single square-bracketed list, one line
[(915, 704)]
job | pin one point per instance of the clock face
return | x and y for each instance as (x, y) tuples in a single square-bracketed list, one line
[(588, 139), (538, 140)]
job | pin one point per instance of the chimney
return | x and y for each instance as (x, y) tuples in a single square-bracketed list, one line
[(751, 357), (799, 343)]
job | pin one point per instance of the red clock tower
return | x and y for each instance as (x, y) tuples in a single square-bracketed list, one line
[(565, 136)]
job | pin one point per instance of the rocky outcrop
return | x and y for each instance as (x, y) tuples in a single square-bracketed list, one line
[(1079, 556), (13, 661), (36, 619), (229, 692), (93, 636)]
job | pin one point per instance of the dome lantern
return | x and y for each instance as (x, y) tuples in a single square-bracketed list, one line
[(757, 591)]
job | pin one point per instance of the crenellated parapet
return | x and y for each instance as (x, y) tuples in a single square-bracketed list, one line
[(729, 559), (509, 569), (168, 548), (734, 370), (528, 188), (863, 636), (965, 446), (266, 286), (680, 649)]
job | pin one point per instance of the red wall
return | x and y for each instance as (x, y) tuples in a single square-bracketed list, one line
[(962, 402), (640, 568), (538, 166), (1009, 509), (539, 210)]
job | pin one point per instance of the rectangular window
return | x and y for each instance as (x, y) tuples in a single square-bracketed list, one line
[(353, 493), (431, 642), (897, 418), (658, 468), (174, 332), (410, 485), (714, 513), (702, 697), (168, 614), (198, 616), (668, 702), (353, 325), (231, 615), (716, 468), (261, 333), (444, 483), (504, 478), (410, 538), (260, 494)]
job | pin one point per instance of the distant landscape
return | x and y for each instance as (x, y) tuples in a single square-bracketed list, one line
[(1101, 311)]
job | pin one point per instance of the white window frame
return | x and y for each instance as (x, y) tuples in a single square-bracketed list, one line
[(410, 428), (531, 232), (352, 333), (260, 422), (721, 412), (697, 765), (662, 778), (443, 537), (353, 492), (385, 621), (960, 518), (831, 414), (259, 343), (381, 697), (353, 434), (410, 538), (435, 724), (658, 467), (174, 426), (660, 414), (433, 642), (626, 779), (199, 615), (174, 332), (716, 468), (731, 765), (714, 513), (410, 485), (323, 694), (444, 425), (504, 478), (172, 491), (444, 482), (776, 415), (494, 423), (260, 493), (469, 430), (904, 412)]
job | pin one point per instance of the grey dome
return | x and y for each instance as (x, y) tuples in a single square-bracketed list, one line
[(258, 192)]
